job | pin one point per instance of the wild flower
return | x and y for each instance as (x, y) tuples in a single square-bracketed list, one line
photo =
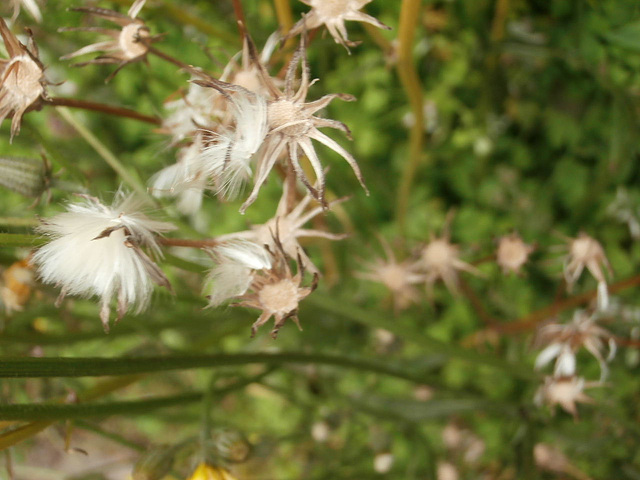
[(564, 340), (205, 471), (512, 253), (22, 81), (129, 44), (564, 391), (400, 278), (585, 251), (287, 227), (30, 5), (333, 14), (292, 125), (277, 292), (96, 249)]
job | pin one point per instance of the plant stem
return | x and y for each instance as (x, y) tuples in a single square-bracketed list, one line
[(239, 11), (103, 108), (32, 367), (409, 17), (24, 432), (104, 152), (283, 12), (183, 66), (532, 320), (18, 222)]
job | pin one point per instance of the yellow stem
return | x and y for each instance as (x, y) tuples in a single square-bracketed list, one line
[(283, 12), (409, 16)]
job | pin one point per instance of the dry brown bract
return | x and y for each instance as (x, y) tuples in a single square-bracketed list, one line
[(22, 82), (333, 14), (277, 291), (30, 5), (292, 125), (130, 43)]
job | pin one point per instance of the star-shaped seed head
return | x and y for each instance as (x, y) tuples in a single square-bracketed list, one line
[(333, 14), (512, 253), (277, 291), (22, 81)]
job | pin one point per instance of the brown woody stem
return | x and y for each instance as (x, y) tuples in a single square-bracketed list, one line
[(532, 320), (189, 68), (103, 108)]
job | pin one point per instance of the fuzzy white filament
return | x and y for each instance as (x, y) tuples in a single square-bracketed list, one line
[(95, 250), (237, 260)]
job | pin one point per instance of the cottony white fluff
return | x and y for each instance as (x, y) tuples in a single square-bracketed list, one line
[(195, 109), (95, 250), (228, 160), (237, 260), (184, 179)]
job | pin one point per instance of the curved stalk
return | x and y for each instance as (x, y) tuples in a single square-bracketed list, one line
[(103, 108), (409, 16)]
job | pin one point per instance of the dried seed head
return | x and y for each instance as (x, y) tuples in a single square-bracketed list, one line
[(277, 292), (129, 44), (512, 253), (293, 126), (440, 260), (22, 82), (585, 251), (565, 391), (333, 14), (97, 250), (400, 278), (288, 228), (562, 342)]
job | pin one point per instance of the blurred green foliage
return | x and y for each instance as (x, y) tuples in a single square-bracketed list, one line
[(531, 125)]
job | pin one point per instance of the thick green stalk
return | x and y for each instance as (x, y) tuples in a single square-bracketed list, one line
[(32, 367), (409, 17)]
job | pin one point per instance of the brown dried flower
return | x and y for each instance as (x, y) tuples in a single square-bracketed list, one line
[(566, 392), (292, 125), (564, 340), (512, 253), (22, 82), (277, 291), (129, 44), (400, 278), (440, 260), (333, 14), (288, 228), (585, 251)]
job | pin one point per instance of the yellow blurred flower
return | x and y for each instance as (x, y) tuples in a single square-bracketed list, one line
[(209, 472)]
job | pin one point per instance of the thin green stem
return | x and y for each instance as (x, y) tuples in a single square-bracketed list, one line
[(18, 222), (104, 152), (103, 108), (409, 17), (33, 367)]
